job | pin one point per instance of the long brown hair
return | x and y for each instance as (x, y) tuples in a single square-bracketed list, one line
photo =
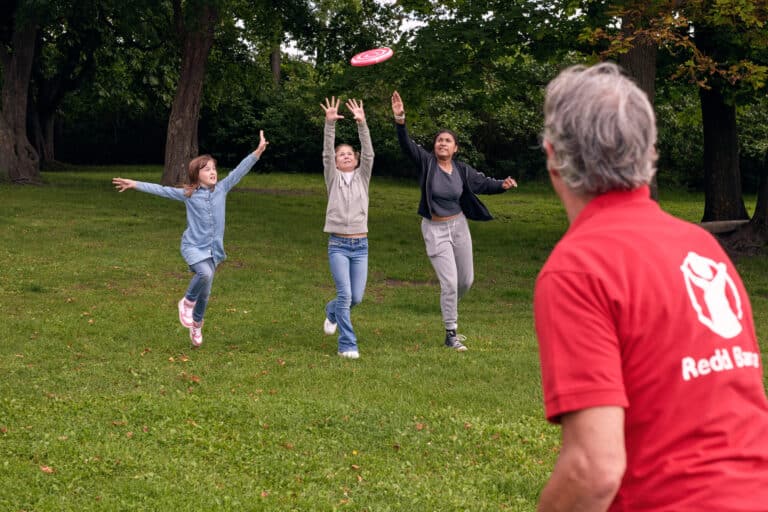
[(193, 173)]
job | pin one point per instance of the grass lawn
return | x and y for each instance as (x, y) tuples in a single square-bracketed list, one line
[(103, 406)]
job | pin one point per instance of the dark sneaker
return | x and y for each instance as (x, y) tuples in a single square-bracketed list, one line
[(454, 341)]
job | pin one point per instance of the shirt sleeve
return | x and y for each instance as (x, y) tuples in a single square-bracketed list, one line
[(329, 154), (479, 183), (412, 150), (366, 151), (239, 172), (579, 349), (161, 190)]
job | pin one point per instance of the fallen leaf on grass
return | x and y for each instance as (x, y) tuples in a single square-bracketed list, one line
[(192, 379), (47, 469)]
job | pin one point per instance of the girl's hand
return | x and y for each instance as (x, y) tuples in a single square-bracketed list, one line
[(332, 109), (122, 184), (508, 183), (397, 105), (262, 144), (356, 107)]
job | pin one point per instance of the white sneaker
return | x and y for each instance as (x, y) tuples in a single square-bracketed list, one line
[(350, 354), (329, 327), (185, 312), (196, 335)]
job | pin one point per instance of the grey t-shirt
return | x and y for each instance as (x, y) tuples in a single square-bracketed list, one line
[(446, 190)]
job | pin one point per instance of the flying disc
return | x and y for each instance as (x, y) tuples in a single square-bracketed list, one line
[(370, 57)]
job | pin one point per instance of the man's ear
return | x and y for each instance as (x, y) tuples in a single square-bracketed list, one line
[(552, 163)]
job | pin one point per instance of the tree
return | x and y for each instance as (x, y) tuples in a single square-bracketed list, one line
[(65, 57), (721, 47), (194, 28), (19, 162)]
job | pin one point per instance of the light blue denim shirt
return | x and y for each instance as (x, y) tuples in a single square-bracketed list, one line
[(206, 209)]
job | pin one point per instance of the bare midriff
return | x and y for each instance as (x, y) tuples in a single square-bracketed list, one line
[(437, 218), (354, 235)]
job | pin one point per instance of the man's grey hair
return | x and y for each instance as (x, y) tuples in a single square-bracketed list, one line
[(602, 129)]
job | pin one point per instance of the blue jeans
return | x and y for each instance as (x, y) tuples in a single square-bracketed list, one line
[(348, 259), (200, 287)]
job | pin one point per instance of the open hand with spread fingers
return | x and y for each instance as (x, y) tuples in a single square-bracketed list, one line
[(331, 108)]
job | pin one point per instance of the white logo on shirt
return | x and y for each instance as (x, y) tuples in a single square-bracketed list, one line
[(713, 295)]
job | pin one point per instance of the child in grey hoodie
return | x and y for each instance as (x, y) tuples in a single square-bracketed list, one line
[(347, 176)]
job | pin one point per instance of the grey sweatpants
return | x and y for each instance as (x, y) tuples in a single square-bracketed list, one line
[(449, 247)]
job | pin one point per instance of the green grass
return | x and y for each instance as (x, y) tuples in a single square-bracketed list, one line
[(99, 385)]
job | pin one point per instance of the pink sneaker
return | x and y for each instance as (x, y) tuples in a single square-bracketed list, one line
[(185, 312), (196, 334)]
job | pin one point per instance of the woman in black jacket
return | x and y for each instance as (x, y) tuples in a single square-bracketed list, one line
[(448, 199)]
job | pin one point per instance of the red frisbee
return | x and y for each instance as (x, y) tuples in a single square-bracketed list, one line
[(370, 57)]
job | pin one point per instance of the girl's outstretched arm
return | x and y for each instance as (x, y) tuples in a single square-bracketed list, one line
[(234, 177), (123, 184), (331, 109), (366, 147)]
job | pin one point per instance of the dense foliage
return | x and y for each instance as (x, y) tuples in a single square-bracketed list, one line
[(477, 67)]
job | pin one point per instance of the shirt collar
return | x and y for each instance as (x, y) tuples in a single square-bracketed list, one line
[(611, 199)]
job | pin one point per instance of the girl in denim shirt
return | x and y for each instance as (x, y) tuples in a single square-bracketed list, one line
[(202, 244), (347, 176)]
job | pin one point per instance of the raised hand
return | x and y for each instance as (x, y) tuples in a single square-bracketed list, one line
[(356, 107), (331, 109), (262, 144), (397, 105)]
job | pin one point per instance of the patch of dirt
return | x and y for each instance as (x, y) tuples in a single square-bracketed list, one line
[(745, 241)]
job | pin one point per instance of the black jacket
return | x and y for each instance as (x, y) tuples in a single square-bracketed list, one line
[(474, 181)]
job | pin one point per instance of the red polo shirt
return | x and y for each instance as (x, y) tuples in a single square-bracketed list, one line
[(638, 309)]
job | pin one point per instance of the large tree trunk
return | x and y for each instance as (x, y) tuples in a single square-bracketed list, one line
[(181, 140), (275, 60), (18, 158), (760, 218), (41, 127), (722, 177), (640, 63)]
